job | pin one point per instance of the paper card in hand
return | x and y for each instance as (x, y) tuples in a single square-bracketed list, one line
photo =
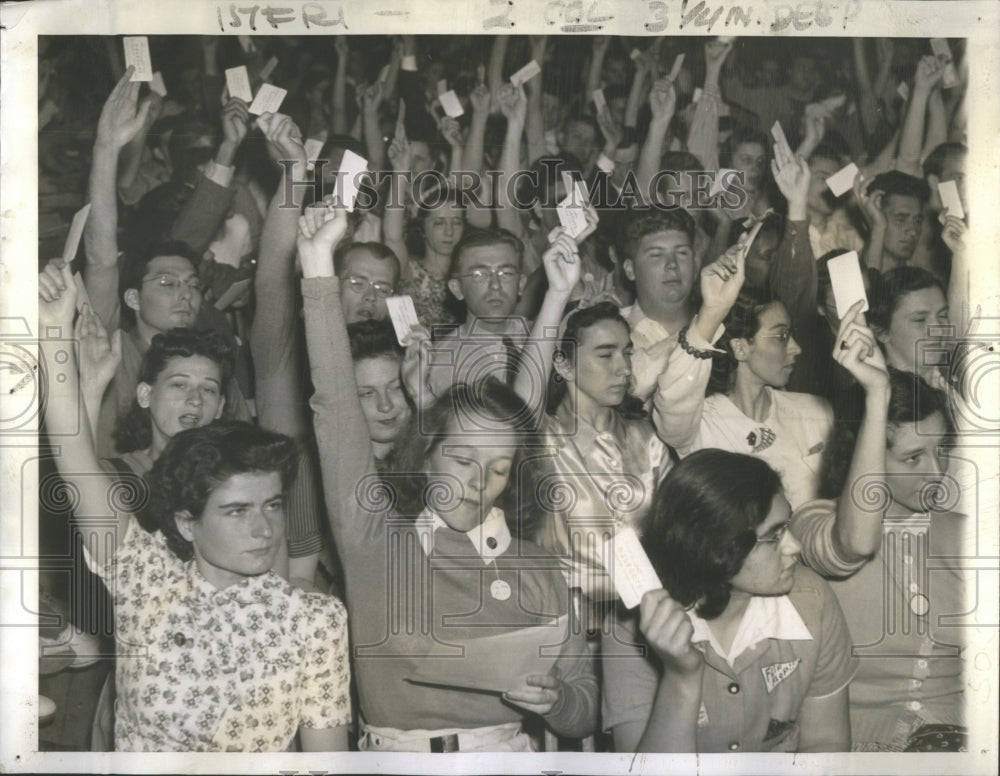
[(599, 102), (233, 293), (779, 135), (676, 69), (697, 94), (348, 178), (632, 573), (246, 43), (238, 83), (75, 233), (948, 191), (846, 282), (82, 297), (268, 99), (571, 211), (313, 146), (496, 664), (451, 104), (442, 86), (903, 90), (941, 50), (403, 315), (751, 236), (157, 85), (268, 68), (526, 73), (137, 55), (950, 78), (842, 181)]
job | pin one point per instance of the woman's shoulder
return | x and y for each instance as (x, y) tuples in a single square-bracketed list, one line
[(310, 605)]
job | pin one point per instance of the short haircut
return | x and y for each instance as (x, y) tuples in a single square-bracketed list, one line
[(740, 137), (590, 121), (900, 184), (133, 430), (479, 238), (137, 264), (642, 222), (894, 285), (913, 400), (373, 339), (376, 249), (703, 522), (831, 151), (680, 161), (935, 161), (198, 460)]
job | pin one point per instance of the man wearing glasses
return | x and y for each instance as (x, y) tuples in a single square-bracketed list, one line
[(486, 275), (369, 273)]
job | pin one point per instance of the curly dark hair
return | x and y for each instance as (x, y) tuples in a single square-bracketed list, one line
[(137, 263), (505, 411), (742, 322), (373, 339), (642, 222), (893, 286), (702, 525), (198, 460), (133, 431)]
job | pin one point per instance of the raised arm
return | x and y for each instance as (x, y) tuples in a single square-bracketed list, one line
[(121, 120), (871, 210), (370, 129), (394, 219), (76, 461), (338, 116), (911, 141), (662, 100), (703, 136), (562, 268), (494, 71), (514, 105), (598, 50), (534, 127), (339, 422), (130, 158)]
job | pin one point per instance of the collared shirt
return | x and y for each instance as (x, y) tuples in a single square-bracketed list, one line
[(907, 611), (753, 703), (612, 475), (208, 669), (791, 438), (491, 538), (473, 352)]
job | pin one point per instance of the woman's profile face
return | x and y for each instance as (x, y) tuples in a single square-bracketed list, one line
[(603, 367), (187, 393), (914, 466), (468, 470), (771, 353), (915, 329)]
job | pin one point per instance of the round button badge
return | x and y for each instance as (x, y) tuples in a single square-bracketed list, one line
[(920, 605), (500, 590)]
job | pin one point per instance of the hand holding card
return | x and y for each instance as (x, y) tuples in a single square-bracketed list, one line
[(632, 573), (137, 56), (846, 282)]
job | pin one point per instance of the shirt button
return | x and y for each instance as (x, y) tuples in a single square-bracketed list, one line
[(491, 543), (914, 587), (922, 664), (915, 705), (734, 746), (916, 683), (179, 639), (733, 688)]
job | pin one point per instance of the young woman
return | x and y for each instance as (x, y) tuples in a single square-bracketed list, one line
[(454, 607), (221, 653), (904, 601), (751, 650), (745, 411)]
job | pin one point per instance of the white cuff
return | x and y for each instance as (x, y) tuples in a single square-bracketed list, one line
[(409, 62), (605, 164), (695, 340), (220, 174)]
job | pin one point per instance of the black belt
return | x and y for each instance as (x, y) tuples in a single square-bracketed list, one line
[(442, 744)]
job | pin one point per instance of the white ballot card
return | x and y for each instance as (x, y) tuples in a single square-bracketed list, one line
[(246, 43), (526, 73), (82, 297), (751, 236), (779, 135), (948, 191), (941, 50), (137, 55), (697, 94), (75, 233), (313, 146), (634, 54), (157, 84), (846, 282), (268, 68), (599, 102), (842, 181), (631, 571), (233, 293), (950, 78), (676, 69), (403, 315), (238, 83), (451, 104), (268, 99), (726, 39), (442, 86), (351, 168), (903, 90)]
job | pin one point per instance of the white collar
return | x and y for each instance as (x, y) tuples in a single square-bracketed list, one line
[(766, 617), (493, 527)]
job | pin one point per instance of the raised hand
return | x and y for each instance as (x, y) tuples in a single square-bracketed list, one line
[(929, 74), (122, 117), (321, 227), (372, 98), (341, 47), (56, 296), (612, 134), (451, 130), (716, 52), (284, 138), (562, 262), (480, 100), (235, 116), (857, 351), (513, 102), (99, 354), (954, 231), (668, 631), (792, 176), (722, 280), (662, 100), (399, 153), (870, 202)]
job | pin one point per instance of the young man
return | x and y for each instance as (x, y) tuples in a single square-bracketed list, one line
[(752, 653), (897, 219), (369, 273), (486, 275)]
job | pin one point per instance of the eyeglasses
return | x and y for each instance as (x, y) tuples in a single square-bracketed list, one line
[(173, 282), (775, 536), (360, 285), (784, 336), (483, 276)]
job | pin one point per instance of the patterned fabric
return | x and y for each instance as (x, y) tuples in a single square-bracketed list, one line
[(202, 669), (430, 296)]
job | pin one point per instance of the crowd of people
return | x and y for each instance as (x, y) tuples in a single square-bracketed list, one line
[(331, 529)]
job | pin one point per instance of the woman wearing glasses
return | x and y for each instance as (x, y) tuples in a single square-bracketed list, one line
[(745, 411)]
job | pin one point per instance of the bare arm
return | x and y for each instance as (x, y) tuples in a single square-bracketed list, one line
[(514, 104), (662, 100), (494, 72), (338, 117), (703, 136), (394, 219), (534, 125), (911, 141)]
